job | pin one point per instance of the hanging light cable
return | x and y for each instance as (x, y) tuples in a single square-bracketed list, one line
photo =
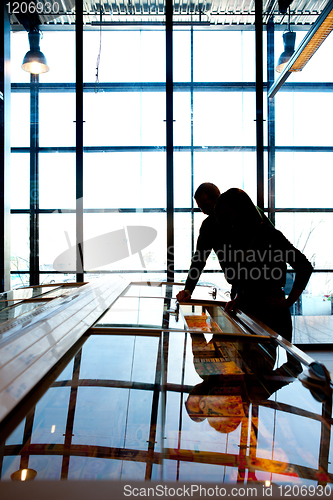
[(100, 50)]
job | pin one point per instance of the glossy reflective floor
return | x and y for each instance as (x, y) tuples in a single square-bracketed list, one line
[(206, 404)]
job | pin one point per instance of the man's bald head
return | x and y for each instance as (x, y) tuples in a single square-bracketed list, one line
[(206, 197)]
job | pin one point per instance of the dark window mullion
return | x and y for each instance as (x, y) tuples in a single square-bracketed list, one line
[(169, 139), (34, 180), (79, 140)]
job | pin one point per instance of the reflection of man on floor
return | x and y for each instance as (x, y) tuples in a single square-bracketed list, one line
[(206, 196), (234, 374)]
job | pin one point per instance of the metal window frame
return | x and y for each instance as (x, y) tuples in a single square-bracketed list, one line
[(259, 87)]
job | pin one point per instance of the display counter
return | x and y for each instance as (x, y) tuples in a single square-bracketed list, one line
[(114, 380)]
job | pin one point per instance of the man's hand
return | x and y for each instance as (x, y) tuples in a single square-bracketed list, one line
[(279, 303), (183, 296), (230, 305)]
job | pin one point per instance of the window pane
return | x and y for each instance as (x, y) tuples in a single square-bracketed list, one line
[(130, 249), (317, 298), (19, 242), (20, 180), (182, 180), (20, 119), (301, 118), (124, 180), (311, 233), (298, 185), (48, 467), (116, 357), (56, 119), (213, 63), (17, 435), (57, 180), (88, 468), (182, 118), (59, 50), (182, 56), (226, 170), (51, 278), (133, 312), (224, 119), (216, 279), (182, 240), (18, 280), (137, 56), (51, 416), (19, 46), (124, 119), (56, 231)]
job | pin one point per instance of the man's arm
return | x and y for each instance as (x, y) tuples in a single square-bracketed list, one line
[(302, 267), (203, 250)]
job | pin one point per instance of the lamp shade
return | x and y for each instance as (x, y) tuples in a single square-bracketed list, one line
[(34, 61), (23, 475), (289, 38)]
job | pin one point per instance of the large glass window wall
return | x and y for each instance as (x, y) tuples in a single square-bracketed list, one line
[(125, 147)]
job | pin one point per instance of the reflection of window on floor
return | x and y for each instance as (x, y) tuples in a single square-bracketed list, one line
[(101, 418)]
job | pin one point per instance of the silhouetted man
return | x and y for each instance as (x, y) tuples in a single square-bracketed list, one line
[(206, 197)]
